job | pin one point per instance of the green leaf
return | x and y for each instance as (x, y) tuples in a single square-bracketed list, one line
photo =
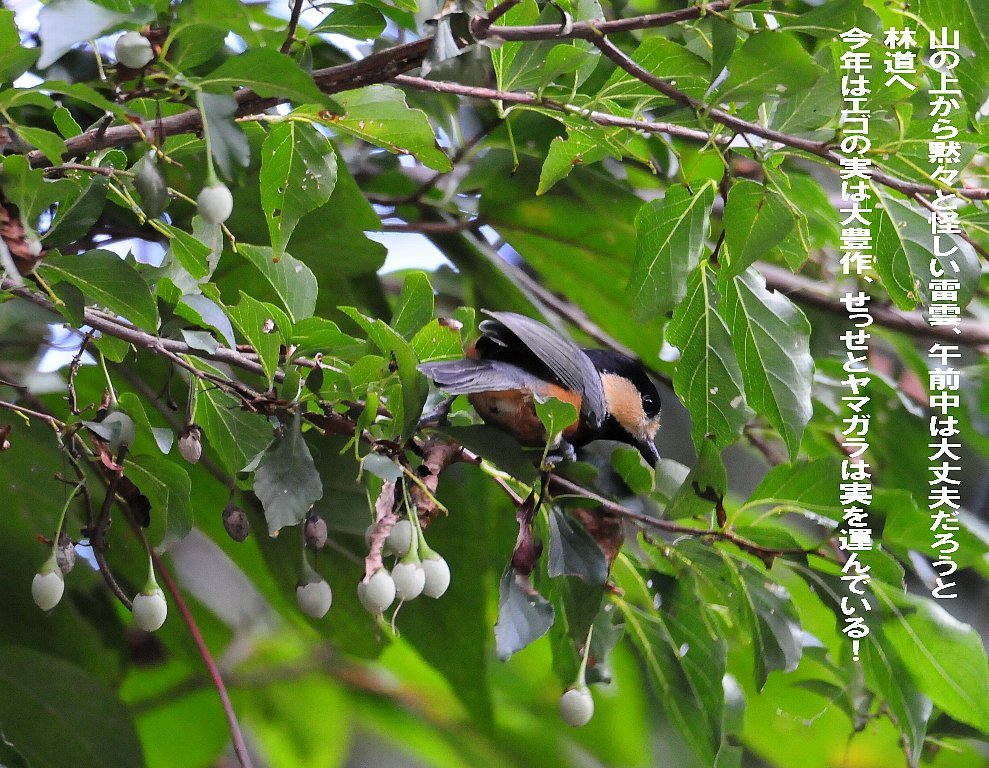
[(28, 189), (298, 173), (630, 465), (684, 662), (77, 211), (380, 115), (664, 59), (555, 415), (268, 73), (523, 614), (407, 409), (63, 23), (670, 236), (573, 551), (15, 59), (360, 21), (886, 675), (773, 63), (584, 144), (904, 251), (42, 695), (188, 250), (751, 595), (286, 480), (256, 321), (107, 280), (50, 144), (908, 527), (168, 488), (292, 281), (415, 305), (228, 144), (807, 485), (944, 657), (437, 341), (708, 378), (772, 343), (205, 312), (808, 111), (236, 436), (756, 220), (704, 487)]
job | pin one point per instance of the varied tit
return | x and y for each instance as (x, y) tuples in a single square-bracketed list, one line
[(517, 359)]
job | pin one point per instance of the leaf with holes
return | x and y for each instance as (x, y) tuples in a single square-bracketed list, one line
[(292, 281), (708, 378), (298, 173), (380, 115), (670, 235), (771, 337)]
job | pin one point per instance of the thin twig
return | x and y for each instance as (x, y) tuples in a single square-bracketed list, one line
[(293, 24)]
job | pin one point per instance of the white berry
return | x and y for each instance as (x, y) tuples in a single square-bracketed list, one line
[(133, 50), (409, 578), (47, 587), (577, 706), (215, 203), (437, 576), (378, 592), (399, 539), (314, 598), (150, 609)]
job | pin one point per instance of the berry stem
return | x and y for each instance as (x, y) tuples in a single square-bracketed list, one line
[(210, 171), (65, 508), (581, 682), (109, 383)]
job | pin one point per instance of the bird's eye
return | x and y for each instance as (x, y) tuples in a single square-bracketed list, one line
[(647, 400)]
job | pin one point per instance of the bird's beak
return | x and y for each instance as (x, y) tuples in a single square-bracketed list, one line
[(648, 450)]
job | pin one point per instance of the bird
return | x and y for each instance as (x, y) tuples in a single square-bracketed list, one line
[(517, 359)]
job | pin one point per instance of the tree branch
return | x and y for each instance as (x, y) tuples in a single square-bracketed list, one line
[(530, 99), (376, 68), (590, 30), (738, 125), (973, 333), (293, 24)]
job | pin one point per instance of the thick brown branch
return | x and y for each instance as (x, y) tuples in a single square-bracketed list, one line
[(376, 68)]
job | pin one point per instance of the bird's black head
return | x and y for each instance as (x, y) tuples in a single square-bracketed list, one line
[(632, 402)]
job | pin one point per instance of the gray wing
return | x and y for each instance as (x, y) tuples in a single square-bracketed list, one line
[(462, 377), (564, 359)]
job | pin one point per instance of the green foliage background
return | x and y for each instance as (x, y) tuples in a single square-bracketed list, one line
[(626, 209)]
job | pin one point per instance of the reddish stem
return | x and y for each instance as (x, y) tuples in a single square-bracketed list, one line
[(214, 672)]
